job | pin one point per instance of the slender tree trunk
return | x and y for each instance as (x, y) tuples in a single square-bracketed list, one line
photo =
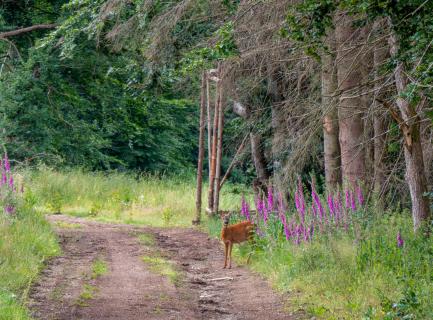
[(211, 192), (209, 125), (413, 155), (331, 144), (219, 150), (200, 151), (380, 121), (349, 75)]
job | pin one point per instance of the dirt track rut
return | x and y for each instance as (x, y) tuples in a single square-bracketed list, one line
[(130, 290)]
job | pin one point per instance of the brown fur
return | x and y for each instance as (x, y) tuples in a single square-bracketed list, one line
[(236, 233)]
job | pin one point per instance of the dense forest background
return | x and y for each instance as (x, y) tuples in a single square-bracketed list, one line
[(337, 89)]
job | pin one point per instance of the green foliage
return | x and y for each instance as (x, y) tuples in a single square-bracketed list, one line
[(25, 243)]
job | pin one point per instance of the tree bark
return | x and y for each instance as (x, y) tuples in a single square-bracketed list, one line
[(349, 75), (211, 192), (413, 155), (259, 160), (200, 151), (380, 121), (209, 125), (331, 144), (219, 150), (18, 32)]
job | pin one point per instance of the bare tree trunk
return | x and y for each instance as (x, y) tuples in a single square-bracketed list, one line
[(380, 121), (349, 75), (209, 125), (413, 155), (219, 150), (211, 192), (331, 144), (259, 158), (200, 151)]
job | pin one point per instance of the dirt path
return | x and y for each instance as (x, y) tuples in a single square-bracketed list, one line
[(71, 288)]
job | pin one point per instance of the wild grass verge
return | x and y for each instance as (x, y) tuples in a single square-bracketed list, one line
[(121, 197), (26, 241), (372, 267)]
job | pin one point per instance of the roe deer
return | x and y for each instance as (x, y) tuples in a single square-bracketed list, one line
[(236, 233)]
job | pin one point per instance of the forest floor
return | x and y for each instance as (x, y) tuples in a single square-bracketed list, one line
[(114, 271)]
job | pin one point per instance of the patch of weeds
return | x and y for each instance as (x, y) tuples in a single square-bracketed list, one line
[(88, 293), (99, 268), (67, 225), (146, 239), (167, 216), (158, 264)]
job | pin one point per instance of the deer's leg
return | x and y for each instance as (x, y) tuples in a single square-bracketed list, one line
[(226, 249), (230, 254)]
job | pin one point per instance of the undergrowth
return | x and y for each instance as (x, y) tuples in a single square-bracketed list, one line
[(26, 241), (366, 272)]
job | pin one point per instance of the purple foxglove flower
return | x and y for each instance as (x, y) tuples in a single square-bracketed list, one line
[(400, 241), (9, 209), (270, 199), (11, 182), (6, 163), (314, 210), (247, 211), (265, 214), (348, 198), (331, 205), (360, 196), (4, 178), (352, 201), (318, 205)]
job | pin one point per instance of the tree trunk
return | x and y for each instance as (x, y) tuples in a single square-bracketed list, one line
[(219, 150), (209, 126), (211, 192), (200, 151), (349, 75), (331, 144), (259, 160), (413, 155), (380, 121)]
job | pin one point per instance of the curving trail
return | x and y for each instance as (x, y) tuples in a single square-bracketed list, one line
[(133, 290)]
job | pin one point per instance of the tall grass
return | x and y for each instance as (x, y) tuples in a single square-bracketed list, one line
[(26, 241), (122, 197)]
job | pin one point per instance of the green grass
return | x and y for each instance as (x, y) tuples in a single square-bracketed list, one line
[(99, 268), (86, 294), (25, 243), (122, 197), (164, 267)]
